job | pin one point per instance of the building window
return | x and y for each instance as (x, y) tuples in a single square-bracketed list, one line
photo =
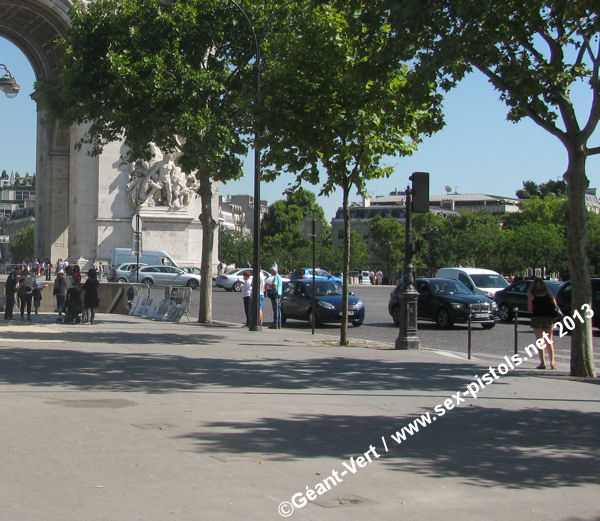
[(341, 233)]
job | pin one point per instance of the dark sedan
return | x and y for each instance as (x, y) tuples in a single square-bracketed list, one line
[(297, 302), (515, 296), (563, 299), (447, 301)]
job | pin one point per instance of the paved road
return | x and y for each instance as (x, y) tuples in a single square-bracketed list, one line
[(378, 327)]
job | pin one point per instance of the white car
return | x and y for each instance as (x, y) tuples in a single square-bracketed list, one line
[(233, 280), (160, 275)]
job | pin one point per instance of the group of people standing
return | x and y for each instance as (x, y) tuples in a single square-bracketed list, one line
[(273, 290), (67, 290), (22, 289)]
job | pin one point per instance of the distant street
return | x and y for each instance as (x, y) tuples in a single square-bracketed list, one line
[(378, 326)]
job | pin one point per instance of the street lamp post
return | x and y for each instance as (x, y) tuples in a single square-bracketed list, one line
[(8, 84), (258, 39)]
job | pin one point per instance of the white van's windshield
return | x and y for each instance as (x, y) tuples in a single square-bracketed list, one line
[(489, 281)]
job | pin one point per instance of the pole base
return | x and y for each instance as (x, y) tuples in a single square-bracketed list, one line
[(255, 328), (407, 343)]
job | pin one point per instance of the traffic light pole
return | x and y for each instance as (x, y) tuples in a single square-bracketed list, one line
[(407, 337)]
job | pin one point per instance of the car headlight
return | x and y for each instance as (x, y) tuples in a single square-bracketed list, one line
[(456, 305), (494, 306), (325, 305)]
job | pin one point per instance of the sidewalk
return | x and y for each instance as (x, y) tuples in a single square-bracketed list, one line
[(131, 419)]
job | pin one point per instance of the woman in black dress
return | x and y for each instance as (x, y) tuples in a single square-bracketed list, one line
[(91, 300), (542, 306)]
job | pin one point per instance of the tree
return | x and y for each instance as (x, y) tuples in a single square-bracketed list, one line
[(234, 247), (333, 100), (143, 71), (387, 242), (556, 188), (23, 245), (535, 54)]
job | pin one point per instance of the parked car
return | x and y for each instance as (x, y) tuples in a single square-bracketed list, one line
[(121, 272), (447, 301), (563, 299), (160, 275), (297, 302), (516, 295), (191, 269), (303, 273), (232, 281), (478, 280)]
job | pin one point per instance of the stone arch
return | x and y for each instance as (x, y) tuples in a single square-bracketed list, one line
[(34, 26), (81, 209)]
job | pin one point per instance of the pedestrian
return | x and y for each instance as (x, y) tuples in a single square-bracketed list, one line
[(37, 296), (372, 277), (379, 277), (10, 289), (25, 296), (100, 271), (90, 299), (543, 309), (76, 275), (247, 294), (274, 292), (60, 291), (261, 296)]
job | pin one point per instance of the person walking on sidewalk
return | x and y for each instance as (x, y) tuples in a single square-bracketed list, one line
[(10, 288), (542, 306), (90, 299), (60, 291), (274, 292), (247, 294)]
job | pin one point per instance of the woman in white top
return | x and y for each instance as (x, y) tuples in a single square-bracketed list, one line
[(247, 294)]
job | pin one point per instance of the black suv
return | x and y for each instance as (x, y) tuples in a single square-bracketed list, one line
[(447, 301), (563, 299)]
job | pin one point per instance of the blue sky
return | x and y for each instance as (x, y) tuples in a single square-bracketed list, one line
[(478, 151)]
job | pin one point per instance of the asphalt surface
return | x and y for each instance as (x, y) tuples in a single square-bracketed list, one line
[(491, 344)]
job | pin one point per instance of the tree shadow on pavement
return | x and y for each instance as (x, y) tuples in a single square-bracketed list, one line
[(159, 372), (534, 448)]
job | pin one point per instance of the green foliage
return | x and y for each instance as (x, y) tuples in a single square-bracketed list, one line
[(387, 237), (549, 188), (22, 248), (234, 247)]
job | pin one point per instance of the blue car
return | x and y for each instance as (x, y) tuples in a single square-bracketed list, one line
[(303, 273), (297, 302)]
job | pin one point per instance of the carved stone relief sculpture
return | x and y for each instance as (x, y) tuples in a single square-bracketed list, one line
[(160, 182)]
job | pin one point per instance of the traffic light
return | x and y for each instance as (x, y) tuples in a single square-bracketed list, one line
[(420, 192)]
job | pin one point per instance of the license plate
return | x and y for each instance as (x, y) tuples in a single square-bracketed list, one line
[(480, 315)]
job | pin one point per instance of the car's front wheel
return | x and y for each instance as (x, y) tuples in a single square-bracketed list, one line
[(443, 319), (310, 318), (505, 313), (357, 323), (237, 286), (193, 283), (121, 279), (149, 282)]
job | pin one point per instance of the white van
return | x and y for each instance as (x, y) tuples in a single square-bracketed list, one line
[(120, 255), (478, 280)]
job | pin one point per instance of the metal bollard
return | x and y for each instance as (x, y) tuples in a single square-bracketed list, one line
[(516, 312), (469, 335)]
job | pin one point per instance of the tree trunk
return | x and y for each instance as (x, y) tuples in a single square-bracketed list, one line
[(209, 225), (582, 351), (345, 267)]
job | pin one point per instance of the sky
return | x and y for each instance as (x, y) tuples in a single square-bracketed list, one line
[(478, 150)]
